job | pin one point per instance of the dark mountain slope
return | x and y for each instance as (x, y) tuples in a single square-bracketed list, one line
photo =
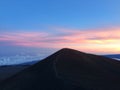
[(89, 71), (68, 69), (7, 71)]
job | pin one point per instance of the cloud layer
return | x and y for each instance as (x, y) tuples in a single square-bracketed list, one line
[(102, 40)]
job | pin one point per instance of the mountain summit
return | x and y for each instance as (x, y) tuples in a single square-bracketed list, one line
[(68, 69)]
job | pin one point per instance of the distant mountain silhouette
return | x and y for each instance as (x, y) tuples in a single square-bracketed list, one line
[(116, 56), (68, 69)]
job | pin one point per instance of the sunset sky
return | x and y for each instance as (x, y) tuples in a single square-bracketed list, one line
[(86, 25)]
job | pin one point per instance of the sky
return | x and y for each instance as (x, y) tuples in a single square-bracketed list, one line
[(86, 25)]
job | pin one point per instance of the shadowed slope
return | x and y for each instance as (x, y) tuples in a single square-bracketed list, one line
[(89, 71), (68, 69), (8, 71)]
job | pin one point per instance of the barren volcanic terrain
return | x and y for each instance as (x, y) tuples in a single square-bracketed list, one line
[(67, 69)]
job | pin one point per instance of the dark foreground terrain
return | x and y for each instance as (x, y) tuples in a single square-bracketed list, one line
[(67, 69), (10, 70)]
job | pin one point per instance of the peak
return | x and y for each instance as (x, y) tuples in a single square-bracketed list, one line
[(67, 49)]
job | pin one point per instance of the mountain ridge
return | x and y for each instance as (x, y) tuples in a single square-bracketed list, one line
[(68, 69)]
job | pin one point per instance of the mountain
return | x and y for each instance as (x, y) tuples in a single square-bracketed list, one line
[(68, 69), (114, 56), (10, 70)]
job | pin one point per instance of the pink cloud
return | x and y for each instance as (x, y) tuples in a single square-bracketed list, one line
[(96, 40)]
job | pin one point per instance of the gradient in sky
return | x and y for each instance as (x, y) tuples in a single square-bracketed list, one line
[(87, 25)]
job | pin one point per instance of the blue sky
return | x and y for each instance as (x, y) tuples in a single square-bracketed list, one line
[(34, 14), (57, 19)]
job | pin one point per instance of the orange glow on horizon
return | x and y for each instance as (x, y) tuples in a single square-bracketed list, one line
[(106, 40)]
